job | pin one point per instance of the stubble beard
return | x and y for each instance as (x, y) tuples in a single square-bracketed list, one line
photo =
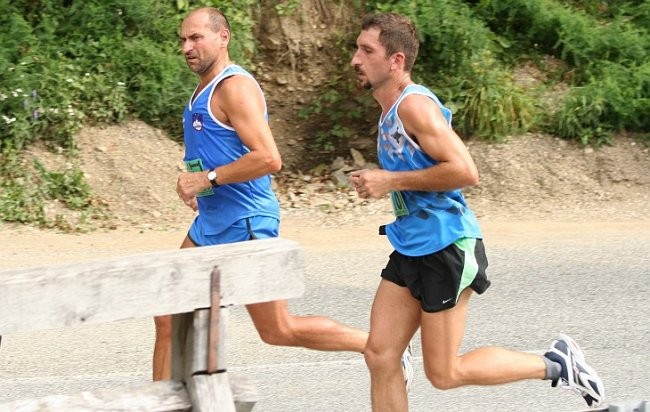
[(199, 66), (198, 69)]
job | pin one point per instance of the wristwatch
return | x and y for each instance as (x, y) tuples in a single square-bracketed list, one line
[(212, 177)]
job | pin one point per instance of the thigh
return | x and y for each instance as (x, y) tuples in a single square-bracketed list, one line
[(394, 318), (442, 333)]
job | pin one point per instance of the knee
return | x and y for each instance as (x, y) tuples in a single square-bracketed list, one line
[(277, 336), (441, 379), (379, 360), (372, 358)]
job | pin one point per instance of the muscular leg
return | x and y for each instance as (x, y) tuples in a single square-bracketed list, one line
[(394, 318), (442, 333), (162, 351), (276, 326)]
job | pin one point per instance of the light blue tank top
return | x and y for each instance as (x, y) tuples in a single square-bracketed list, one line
[(435, 219), (217, 144)]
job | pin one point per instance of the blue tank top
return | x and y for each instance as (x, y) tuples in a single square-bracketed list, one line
[(211, 143), (434, 219)]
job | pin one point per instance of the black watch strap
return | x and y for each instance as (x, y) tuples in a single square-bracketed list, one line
[(213, 180)]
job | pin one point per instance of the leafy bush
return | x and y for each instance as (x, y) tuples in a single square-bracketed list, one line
[(616, 100), (490, 105), (342, 108), (67, 63), (63, 64), (25, 195), (571, 34), (20, 200), (606, 47), (634, 11), (450, 37), (459, 56)]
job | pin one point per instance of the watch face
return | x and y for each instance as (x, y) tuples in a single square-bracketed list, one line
[(212, 177)]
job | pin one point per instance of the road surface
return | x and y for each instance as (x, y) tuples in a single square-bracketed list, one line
[(589, 279)]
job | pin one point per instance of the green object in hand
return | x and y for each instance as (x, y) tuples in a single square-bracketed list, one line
[(196, 165)]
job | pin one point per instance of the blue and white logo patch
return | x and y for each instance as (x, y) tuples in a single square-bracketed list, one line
[(197, 121)]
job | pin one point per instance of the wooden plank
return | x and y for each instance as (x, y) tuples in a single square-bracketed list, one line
[(160, 396), (151, 396), (211, 393), (214, 325), (176, 281)]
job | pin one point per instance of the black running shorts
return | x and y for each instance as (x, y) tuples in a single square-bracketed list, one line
[(437, 280)]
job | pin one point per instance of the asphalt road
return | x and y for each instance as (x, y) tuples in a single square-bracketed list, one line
[(589, 281)]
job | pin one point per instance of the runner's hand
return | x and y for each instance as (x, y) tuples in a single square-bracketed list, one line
[(189, 184), (370, 183)]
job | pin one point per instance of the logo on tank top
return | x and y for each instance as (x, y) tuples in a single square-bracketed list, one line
[(197, 121)]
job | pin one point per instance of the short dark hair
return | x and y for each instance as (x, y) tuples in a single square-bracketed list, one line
[(397, 34)]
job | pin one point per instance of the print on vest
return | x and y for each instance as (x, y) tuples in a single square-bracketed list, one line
[(197, 121)]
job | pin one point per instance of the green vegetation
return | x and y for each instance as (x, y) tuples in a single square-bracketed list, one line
[(469, 51), (25, 191), (606, 47), (66, 63), (463, 62), (287, 7)]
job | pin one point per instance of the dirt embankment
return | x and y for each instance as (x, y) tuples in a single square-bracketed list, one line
[(132, 169)]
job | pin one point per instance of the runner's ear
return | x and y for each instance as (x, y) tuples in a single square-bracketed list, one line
[(224, 35)]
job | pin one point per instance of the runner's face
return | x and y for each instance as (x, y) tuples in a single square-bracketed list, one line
[(370, 60), (199, 44)]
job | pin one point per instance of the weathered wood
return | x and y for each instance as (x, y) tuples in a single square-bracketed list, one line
[(191, 343), (213, 332), (162, 396), (174, 282), (153, 396), (158, 283), (211, 393)]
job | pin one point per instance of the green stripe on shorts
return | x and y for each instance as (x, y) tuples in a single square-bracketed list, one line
[(470, 267)]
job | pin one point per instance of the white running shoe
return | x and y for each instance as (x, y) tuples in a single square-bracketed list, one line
[(407, 367), (576, 374)]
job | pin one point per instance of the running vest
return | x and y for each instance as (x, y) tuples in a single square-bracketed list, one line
[(209, 144), (430, 221)]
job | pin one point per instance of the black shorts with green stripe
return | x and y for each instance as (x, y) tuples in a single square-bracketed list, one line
[(437, 280)]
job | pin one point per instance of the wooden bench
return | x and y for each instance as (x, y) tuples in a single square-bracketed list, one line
[(196, 285)]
